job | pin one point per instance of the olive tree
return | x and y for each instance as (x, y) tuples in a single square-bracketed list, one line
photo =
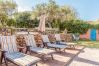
[(55, 13), (7, 9)]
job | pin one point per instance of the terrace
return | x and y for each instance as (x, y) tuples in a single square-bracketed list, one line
[(49, 33)]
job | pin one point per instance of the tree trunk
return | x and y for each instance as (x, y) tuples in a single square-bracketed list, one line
[(49, 25)]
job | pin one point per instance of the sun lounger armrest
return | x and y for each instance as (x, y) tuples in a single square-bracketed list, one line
[(20, 49), (27, 48), (52, 42), (3, 55), (58, 42), (2, 50), (45, 44)]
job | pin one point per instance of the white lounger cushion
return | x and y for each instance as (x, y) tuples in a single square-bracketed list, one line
[(63, 43), (68, 43), (57, 36), (45, 38), (22, 59), (42, 50), (56, 46)]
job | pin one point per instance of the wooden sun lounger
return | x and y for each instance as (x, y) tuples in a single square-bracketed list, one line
[(10, 53), (48, 44), (60, 42), (31, 47)]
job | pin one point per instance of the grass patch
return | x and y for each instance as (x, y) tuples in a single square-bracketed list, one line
[(90, 44)]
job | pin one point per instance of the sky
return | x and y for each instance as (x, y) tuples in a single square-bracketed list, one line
[(87, 9)]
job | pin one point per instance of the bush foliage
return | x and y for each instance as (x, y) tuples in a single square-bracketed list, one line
[(75, 26)]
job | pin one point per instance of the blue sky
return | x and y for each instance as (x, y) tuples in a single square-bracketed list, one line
[(87, 9)]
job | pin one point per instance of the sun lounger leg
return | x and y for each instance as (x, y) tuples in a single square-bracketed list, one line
[(26, 52), (36, 65), (30, 52), (52, 56), (6, 63), (27, 49), (64, 50), (74, 46), (55, 49), (47, 47), (59, 49), (42, 57), (5, 59), (2, 56)]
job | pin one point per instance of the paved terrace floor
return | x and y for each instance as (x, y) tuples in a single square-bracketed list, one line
[(90, 57), (79, 57)]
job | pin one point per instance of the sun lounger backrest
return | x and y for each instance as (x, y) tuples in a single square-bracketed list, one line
[(57, 36), (8, 44), (0, 39), (45, 38), (30, 41)]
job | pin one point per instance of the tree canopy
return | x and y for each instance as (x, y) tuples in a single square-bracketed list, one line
[(54, 12), (7, 8), (24, 20)]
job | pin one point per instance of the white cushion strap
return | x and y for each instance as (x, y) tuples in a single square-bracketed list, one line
[(2, 43), (27, 40), (45, 38), (13, 43), (57, 36), (33, 41), (9, 44), (30, 40), (6, 44)]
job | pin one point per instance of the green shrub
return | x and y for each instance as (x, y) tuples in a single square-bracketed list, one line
[(75, 26)]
